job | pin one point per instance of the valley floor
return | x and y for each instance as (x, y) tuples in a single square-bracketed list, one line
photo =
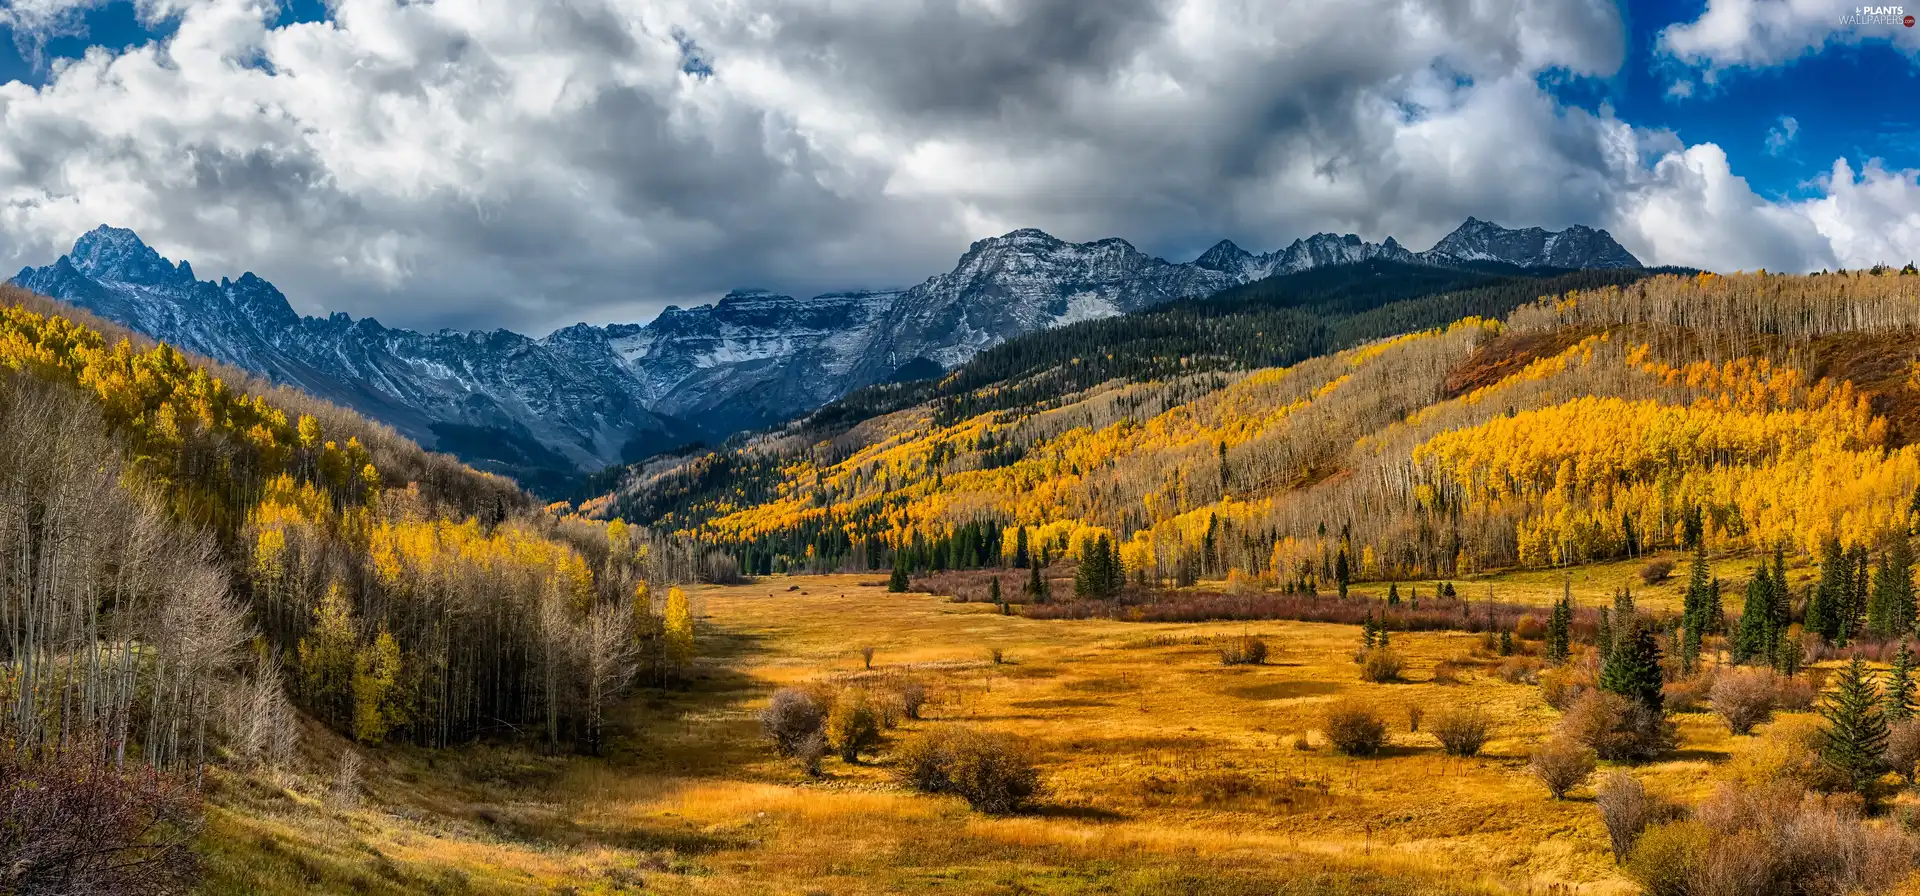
[(1168, 773)]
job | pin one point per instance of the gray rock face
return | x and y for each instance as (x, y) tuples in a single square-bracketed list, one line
[(1574, 247), (585, 397)]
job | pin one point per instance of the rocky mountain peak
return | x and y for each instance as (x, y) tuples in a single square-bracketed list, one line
[(1576, 247), (115, 253)]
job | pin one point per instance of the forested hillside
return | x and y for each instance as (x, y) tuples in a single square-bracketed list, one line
[(1750, 411), (186, 555)]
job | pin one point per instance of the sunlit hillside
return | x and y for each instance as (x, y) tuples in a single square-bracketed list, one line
[(1589, 426)]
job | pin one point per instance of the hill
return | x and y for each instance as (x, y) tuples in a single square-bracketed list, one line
[(1584, 426), (195, 561)]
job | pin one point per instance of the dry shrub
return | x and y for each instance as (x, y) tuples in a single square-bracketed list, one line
[(1415, 712), (1561, 686), (1355, 728), (1520, 670), (76, 823), (1667, 858), (1788, 751), (1529, 628), (1687, 694), (1462, 731), (1744, 698), (1795, 694), (1381, 665), (1903, 749), (913, 698), (1243, 650), (1774, 838), (1561, 765), (853, 724), (1447, 672), (1617, 728), (791, 718), (1656, 571), (1627, 809), (994, 773)]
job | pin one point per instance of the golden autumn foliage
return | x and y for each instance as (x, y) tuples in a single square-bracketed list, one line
[(1673, 397)]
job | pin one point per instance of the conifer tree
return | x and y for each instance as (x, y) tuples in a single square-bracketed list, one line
[(1782, 594), (1393, 594), (1090, 576), (1859, 586), (1899, 696), (1366, 632), (1603, 636), (1624, 611), (897, 583), (1754, 639), (1689, 649), (1632, 670), (1697, 608), (1827, 605), (1506, 642), (1856, 733), (1560, 627), (1341, 570), (1021, 559), (1035, 585), (993, 590), (1890, 610)]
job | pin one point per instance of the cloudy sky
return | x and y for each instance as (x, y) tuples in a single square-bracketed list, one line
[(530, 163)]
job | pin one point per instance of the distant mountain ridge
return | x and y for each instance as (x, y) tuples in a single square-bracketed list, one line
[(584, 397)]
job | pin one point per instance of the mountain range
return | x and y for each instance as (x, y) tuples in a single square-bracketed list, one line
[(585, 397)]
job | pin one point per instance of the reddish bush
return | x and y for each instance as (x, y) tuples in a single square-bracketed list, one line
[(1520, 670), (1617, 728), (993, 773), (1462, 731), (1355, 728), (1656, 571), (75, 823), (1561, 765), (1243, 650), (1744, 698), (1381, 665), (1434, 614)]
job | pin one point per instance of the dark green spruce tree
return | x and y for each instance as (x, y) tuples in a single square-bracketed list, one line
[(1890, 611), (1828, 603), (1856, 734), (1632, 670), (1754, 640), (1560, 627), (897, 583), (1899, 696)]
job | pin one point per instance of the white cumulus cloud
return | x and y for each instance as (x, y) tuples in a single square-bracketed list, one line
[(529, 163)]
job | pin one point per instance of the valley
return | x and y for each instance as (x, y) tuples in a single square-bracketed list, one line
[(1167, 772)]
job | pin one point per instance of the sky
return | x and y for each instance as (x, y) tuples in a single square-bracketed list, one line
[(532, 163)]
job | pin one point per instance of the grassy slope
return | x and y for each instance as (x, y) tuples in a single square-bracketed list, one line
[(1170, 774)]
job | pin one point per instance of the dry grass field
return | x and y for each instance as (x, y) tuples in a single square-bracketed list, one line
[(1168, 772)]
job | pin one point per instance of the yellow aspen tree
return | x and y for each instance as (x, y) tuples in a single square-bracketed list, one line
[(679, 630)]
